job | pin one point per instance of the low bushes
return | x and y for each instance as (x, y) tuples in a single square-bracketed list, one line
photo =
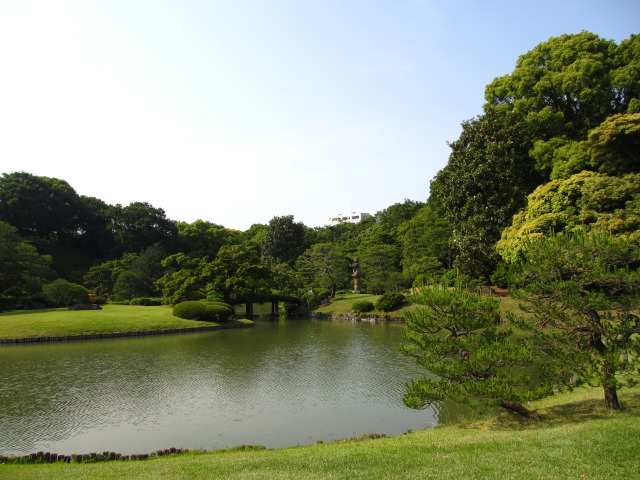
[(146, 301), (203, 311), (362, 306), (389, 301)]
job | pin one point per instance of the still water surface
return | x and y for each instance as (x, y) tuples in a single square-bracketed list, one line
[(281, 383)]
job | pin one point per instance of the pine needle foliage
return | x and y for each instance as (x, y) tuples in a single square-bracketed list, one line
[(470, 358)]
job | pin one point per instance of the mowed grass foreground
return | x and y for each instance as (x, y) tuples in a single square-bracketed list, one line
[(578, 439), (112, 318)]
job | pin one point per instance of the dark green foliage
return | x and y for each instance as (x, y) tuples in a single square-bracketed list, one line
[(203, 311), (283, 241), (185, 278), (389, 301), (200, 239), (501, 275), (362, 306), (380, 267), (146, 301), (22, 269), (325, 266), (455, 336), (61, 293), (583, 292), (139, 225), (392, 217), (39, 206), (486, 181), (236, 274)]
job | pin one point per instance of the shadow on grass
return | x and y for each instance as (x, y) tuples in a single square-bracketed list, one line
[(562, 414)]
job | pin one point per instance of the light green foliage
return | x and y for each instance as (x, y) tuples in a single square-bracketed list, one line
[(559, 157), (392, 217), (61, 293), (583, 291), (185, 280), (285, 279), (580, 76), (454, 335), (614, 145), (587, 198)]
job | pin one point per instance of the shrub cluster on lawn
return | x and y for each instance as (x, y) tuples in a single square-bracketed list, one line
[(146, 301), (203, 311), (362, 306), (389, 301)]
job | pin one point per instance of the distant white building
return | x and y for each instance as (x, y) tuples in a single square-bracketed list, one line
[(352, 217)]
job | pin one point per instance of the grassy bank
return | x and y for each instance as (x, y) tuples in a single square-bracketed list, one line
[(578, 439), (343, 304), (112, 318)]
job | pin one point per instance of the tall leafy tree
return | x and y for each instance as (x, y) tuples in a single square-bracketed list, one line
[(201, 238), (486, 181), (325, 265), (38, 206), (425, 241), (23, 270), (140, 225), (576, 80), (185, 279), (236, 274), (283, 241)]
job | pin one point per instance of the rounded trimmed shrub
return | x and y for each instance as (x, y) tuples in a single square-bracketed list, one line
[(389, 301), (203, 311), (362, 306)]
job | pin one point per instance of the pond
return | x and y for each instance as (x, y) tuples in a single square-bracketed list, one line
[(282, 383)]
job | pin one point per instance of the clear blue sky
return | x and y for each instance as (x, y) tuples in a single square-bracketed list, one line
[(234, 111)]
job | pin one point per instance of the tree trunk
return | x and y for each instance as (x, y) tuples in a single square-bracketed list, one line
[(611, 398), (520, 409), (610, 389)]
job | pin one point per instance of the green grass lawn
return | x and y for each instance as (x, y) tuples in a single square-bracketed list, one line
[(578, 439), (112, 318), (342, 304)]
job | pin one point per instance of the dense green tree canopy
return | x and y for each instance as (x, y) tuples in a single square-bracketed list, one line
[(236, 274), (580, 78), (140, 225), (39, 206), (325, 265), (22, 269), (486, 181), (614, 145), (200, 238), (283, 241), (586, 198)]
